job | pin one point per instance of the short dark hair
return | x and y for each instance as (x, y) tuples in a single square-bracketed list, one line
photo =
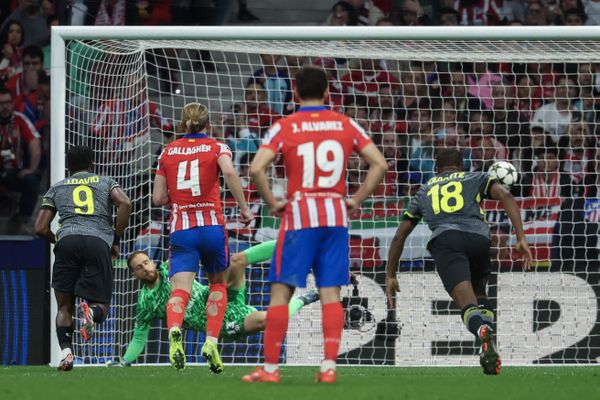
[(79, 158), (33, 51), (448, 158), (132, 255), (311, 82)]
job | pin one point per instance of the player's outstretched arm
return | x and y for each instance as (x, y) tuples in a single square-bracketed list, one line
[(499, 192), (134, 349), (233, 183), (377, 168), (391, 280), (42, 224)]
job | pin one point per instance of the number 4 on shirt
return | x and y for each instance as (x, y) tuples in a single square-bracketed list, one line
[(193, 182)]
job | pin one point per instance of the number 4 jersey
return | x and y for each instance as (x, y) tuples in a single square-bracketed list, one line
[(450, 201), (83, 204), (316, 144), (190, 167)]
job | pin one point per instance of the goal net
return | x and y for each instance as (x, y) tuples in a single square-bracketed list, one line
[(528, 100)]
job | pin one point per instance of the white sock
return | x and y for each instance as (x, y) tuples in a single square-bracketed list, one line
[(327, 365), (212, 339), (65, 352), (270, 368)]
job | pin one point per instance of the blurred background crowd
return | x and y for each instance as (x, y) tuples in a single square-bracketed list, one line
[(541, 117)]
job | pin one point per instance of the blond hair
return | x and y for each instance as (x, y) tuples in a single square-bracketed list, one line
[(194, 117)]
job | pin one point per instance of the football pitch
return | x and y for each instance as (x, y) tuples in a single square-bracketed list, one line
[(297, 383)]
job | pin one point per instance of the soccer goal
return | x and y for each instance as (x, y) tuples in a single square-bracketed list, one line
[(528, 95)]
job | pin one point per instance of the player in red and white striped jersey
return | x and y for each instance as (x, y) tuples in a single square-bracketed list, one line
[(315, 144), (188, 178)]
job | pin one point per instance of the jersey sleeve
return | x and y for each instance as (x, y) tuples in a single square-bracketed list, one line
[(48, 199), (112, 184), (413, 211), (223, 150), (143, 313), (273, 138), (137, 344), (360, 137), (485, 185)]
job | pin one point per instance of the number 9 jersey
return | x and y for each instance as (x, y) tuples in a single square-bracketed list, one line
[(190, 167), (451, 201), (84, 206), (316, 144)]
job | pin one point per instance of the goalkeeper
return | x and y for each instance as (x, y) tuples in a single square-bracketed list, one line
[(240, 319)]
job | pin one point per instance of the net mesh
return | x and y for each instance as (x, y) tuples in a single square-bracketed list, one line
[(532, 103)]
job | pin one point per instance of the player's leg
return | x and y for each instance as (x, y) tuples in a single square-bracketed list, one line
[(293, 258), (479, 256), (332, 270), (184, 261), (65, 273), (236, 275), (64, 328), (94, 285), (256, 320), (215, 261)]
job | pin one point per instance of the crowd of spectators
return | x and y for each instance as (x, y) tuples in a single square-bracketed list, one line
[(541, 117)]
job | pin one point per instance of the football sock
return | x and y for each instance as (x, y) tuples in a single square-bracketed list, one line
[(176, 308), (276, 327), (216, 305), (295, 305), (97, 314), (486, 306), (261, 252), (65, 337), (333, 324), (474, 317), (326, 365)]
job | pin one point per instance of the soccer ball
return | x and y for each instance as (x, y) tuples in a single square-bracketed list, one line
[(505, 173)]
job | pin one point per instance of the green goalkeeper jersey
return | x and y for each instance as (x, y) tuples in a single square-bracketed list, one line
[(152, 305)]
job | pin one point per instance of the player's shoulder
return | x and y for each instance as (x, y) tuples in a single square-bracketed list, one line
[(476, 176)]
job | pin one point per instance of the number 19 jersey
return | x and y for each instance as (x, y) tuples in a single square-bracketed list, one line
[(316, 144), (190, 167), (451, 201)]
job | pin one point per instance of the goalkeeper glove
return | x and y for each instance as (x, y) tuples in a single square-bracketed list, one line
[(120, 363)]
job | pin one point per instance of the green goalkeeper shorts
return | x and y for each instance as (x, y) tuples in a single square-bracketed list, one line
[(237, 311)]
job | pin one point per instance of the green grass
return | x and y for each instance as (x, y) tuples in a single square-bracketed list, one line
[(297, 383)]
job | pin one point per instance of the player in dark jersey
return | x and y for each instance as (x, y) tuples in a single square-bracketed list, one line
[(460, 242), (84, 244)]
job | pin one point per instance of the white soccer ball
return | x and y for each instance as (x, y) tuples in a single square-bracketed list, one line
[(505, 173)]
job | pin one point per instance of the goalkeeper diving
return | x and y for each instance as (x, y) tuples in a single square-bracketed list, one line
[(240, 318)]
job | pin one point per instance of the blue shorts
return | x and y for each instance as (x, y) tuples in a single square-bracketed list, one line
[(206, 244), (325, 251)]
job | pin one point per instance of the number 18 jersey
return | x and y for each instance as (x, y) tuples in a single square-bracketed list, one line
[(450, 201), (316, 144), (190, 167)]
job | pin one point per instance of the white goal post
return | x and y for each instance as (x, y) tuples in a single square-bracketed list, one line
[(548, 316)]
